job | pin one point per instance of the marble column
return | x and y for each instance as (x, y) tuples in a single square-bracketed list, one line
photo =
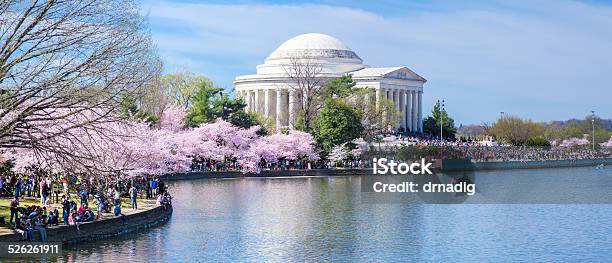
[(248, 100), (378, 98), (291, 108), (279, 109), (420, 120), (267, 104), (409, 126), (402, 106), (396, 106), (414, 111), (367, 101), (384, 100)]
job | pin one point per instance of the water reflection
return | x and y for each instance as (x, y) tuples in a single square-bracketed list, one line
[(324, 219)]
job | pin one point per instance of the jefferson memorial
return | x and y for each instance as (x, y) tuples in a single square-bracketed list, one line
[(271, 92)]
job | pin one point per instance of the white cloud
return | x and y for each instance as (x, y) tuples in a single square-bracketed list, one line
[(540, 60)]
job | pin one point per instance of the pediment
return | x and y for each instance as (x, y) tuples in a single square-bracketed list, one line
[(403, 73)]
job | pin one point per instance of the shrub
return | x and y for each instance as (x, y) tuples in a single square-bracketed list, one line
[(537, 141)]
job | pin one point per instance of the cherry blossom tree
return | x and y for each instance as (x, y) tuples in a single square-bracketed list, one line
[(131, 147), (64, 68), (290, 146), (574, 142)]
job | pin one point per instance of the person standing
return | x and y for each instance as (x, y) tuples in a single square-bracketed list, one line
[(154, 186), (65, 208), (117, 197), (148, 188), (18, 187), (41, 187), (133, 195), (30, 185), (65, 184), (45, 192), (84, 196), (101, 205), (49, 183), (14, 209)]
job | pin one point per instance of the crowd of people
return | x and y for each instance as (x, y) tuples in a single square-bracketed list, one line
[(522, 153), (224, 166), (78, 195), (478, 151)]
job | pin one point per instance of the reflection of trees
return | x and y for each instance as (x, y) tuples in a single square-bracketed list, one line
[(345, 228)]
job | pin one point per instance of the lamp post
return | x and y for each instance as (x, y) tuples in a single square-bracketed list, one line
[(441, 105), (593, 124)]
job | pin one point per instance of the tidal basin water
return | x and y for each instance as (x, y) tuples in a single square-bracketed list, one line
[(323, 219)]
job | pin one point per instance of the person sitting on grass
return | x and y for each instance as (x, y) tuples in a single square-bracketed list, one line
[(82, 210), (28, 230), (88, 216), (72, 218), (39, 224), (73, 205), (53, 217)]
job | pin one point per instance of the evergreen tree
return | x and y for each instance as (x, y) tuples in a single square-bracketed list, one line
[(431, 124)]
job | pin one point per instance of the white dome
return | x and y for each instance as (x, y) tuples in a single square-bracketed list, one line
[(333, 56), (313, 45), (311, 41)]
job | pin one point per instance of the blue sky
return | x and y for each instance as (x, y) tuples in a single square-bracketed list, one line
[(543, 60)]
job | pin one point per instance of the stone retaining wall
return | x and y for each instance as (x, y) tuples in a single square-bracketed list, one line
[(467, 165), (101, 229), (444, 165), (275, 173)]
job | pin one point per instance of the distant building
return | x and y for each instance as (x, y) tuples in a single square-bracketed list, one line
[(272, 93)]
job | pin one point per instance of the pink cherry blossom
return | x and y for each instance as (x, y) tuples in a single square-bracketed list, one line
[(574, 142)]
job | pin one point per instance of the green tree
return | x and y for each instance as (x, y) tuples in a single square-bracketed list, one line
[(537, 141), (341, 87), (375, 119), (431, 124), (129, 108), (338, 123), (514, 130), (210, 103), (245, 120), (181, 88)]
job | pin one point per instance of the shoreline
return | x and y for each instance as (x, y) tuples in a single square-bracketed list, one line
[(450, 165), (100, 229)]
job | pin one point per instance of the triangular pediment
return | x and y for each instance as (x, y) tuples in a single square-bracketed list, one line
[(388, 72), (403, 73)]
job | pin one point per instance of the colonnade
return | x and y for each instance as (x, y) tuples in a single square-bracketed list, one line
[(280, 105), (409, 103)]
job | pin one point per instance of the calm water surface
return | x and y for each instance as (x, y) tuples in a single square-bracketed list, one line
[(323, 219)]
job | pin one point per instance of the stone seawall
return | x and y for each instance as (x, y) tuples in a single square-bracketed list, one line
[(443, 165), (467, 165), (101, 229), (275, 173)]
